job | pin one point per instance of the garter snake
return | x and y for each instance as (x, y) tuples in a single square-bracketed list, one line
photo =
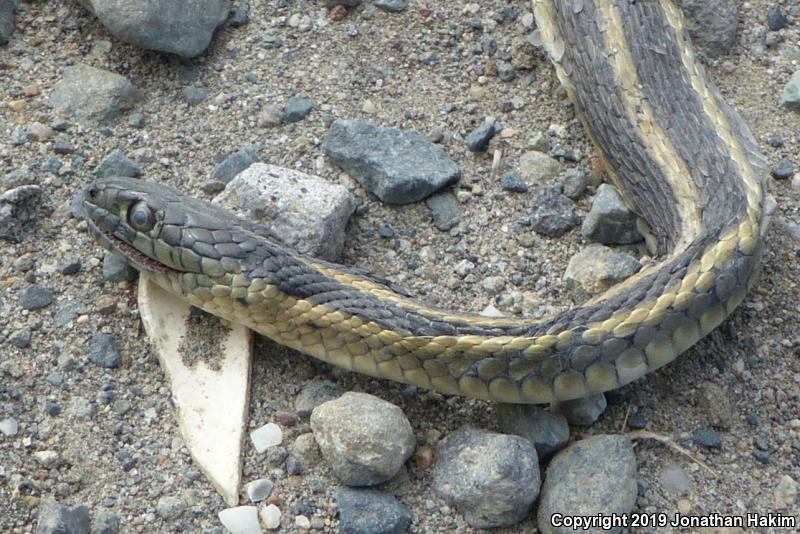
[(683, 159)]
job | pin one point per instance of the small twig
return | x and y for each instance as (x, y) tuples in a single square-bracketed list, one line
[(666, 440), (625, 421)]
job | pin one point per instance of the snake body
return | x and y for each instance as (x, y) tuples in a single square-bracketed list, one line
[(683, 159)]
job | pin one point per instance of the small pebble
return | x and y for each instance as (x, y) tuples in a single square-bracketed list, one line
[(270, 517), (260, 489), (707, 438), (240, 520), (783, 170), (266, 436)]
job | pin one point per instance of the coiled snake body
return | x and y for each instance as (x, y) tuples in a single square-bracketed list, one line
[(684, 160)]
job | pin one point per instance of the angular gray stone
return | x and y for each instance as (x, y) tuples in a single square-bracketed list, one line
[(117, 164), (399, 167), (35, 297), (313, 394), (478, 139), (349, 3), (103, 351), (553, 214), (445, 210), (55, 518), (19, 209), (574, 183), (170, 507), (183, 28), (538, 169), (6, 19), (593, 476), (230, 167), (491, 478), (512, 181), (297, 108), (364, 511), (116, 269), (596, 268), (392, 6), (93, 96), (791, 92), (712, 24), (260, 489), (548, 431), (304, 211), (364, 439), (584, 411), (609, 222)]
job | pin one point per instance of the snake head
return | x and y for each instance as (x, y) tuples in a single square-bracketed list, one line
[(159, 230)]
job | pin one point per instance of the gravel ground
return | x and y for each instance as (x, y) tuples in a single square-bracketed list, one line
[(421, 70)]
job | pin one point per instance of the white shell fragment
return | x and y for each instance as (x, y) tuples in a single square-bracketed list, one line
[(211, 402)]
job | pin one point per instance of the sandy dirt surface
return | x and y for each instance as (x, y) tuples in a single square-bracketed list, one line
[(420, 71)]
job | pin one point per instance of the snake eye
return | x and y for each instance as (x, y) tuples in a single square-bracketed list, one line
[(141, 217)]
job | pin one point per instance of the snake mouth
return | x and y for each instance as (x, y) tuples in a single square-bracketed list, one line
[(104, 225)]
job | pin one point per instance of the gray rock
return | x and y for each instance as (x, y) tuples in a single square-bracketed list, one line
[(574, 183), (70, 267), (103, 351), (445, 210), (392, 6), (35, 297), (6, 20), (117, 164), (105, 523), (182, 28), (9, 427), (55, 518), (260, 489), (548, 431), (398, 166), (20, 338), (609, 222), (491, 478), (116, 269), (230, 167), (553, 214), (93, 96), (478, 139), (363, 511), (776, 20), (791, 92), (538, 169), (596, 268), (705, 437), (512, 181), (349, 3), (297, 108), (62, 145), (195, 95), (304, 211), (241, 14), (364, 439), (506, 71), (783, 170), (584, 411), (19, 209), (313, 394), (594, 476), (712, 24), (170, 507)]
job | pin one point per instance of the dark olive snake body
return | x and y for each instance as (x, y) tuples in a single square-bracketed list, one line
[(683, 159)]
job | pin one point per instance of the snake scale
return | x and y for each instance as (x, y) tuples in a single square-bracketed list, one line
[(683, 159)]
